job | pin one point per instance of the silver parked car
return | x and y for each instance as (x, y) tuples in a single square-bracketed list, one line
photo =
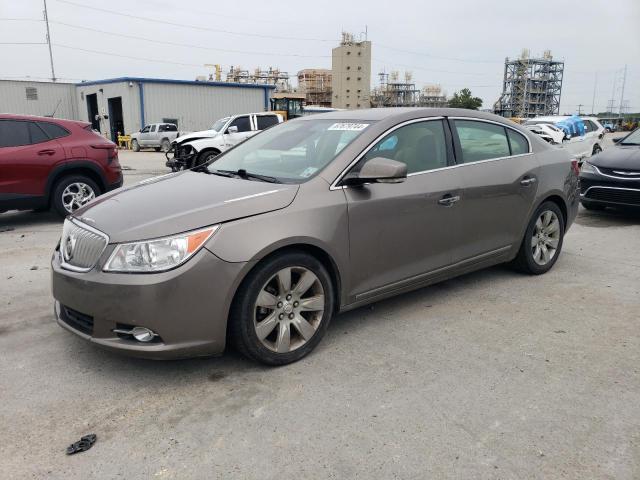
[(312, 217)]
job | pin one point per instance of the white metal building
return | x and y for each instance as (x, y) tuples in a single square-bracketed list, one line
[(126, 104)]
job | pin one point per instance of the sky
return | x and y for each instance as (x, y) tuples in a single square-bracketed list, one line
[(455, 43)]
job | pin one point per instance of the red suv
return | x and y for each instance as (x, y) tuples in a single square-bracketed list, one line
[(51, 163)]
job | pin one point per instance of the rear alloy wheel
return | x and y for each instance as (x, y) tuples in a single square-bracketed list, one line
[(73, 192), (135, 146), (283, 309), (542, 242)]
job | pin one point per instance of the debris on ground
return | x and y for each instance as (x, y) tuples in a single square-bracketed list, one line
[(84, 444), (34, 268)]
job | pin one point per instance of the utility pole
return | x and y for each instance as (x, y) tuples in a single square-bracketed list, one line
[(624, 80), (46, 19), (593, 100), (580, 105)]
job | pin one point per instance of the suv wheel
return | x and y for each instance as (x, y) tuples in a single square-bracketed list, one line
[(73, 192), (283, 309), (542, 240), (207, 156), (135, 146)]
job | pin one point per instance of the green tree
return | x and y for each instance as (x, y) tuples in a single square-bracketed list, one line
[(464, 99)]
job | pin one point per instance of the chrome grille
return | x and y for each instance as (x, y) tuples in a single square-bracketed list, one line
[(81, 246)]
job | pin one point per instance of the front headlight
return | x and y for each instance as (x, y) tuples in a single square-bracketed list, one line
[(158, 255), (588, 168)]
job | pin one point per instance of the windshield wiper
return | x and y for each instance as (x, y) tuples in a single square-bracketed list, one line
[(629, 143), (242, 173), (222, 173)]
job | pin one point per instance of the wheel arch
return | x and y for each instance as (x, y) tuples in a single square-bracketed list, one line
[(78, 167), (312, 249)]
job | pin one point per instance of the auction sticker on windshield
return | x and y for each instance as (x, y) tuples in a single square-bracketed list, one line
[(353, 127)]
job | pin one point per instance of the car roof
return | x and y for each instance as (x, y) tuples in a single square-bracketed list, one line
[(375, 114), (60, 121), (556, 118)]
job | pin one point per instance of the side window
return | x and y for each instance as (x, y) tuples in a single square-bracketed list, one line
[(422, 146), (14, 133), (146, 129), (162, 128), (53, 130), (589, 126), (37, 135), (519, 144), (243, 124), (153, 128), (170, 128), (266, 121), (481, 141)]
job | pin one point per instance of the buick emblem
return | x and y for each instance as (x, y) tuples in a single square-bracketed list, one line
[(69, 247)]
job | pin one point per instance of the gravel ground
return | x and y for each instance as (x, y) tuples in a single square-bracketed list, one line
[(491, 375)]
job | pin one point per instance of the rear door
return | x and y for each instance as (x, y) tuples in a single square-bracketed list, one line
[(27, 155), (500, 182), (398, 232), (263, 122)]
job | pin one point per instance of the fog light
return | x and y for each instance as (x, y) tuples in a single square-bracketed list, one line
[(142, 334)]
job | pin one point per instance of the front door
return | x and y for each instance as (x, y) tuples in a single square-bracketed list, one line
[(500, 182), (400, 231), (244, 131)]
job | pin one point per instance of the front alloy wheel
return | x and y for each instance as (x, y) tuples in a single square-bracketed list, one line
[(282, 309), (289, 309)]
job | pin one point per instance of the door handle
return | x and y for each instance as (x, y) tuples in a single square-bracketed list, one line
[(46, 152), (525, 182), (449, 200)]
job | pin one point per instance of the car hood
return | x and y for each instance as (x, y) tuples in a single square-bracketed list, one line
[(618, 157), (197, 135), (180, 202)]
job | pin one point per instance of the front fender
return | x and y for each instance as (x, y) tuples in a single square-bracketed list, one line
[(204, 143)]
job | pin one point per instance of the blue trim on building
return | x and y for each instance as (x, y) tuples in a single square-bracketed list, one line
[(175, 82), (141, 91)]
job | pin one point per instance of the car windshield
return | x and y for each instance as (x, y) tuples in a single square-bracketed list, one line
[(291, 152), (632, 139), (219, 124)]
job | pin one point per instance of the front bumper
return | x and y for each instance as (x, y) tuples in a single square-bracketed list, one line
[(607, 191), (187, 307)]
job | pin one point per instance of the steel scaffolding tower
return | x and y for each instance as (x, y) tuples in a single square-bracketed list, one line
[(531, 87)]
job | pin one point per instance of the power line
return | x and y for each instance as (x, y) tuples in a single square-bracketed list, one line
[(193, 27), (188, 45), (151, 60), (21, 19), (453, 59), (23, 43)]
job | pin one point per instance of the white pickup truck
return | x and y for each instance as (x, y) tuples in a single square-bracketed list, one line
[(155, 135), (188, 151)]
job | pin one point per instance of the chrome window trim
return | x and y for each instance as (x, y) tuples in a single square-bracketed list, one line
[(476, 119), (608, 188), (613, 176), (91, 229), (334, 185)]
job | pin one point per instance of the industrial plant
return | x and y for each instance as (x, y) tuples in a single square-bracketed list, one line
[(531, 86)]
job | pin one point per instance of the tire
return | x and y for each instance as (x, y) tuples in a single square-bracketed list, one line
[(596, 149), (532, 260), (165, 145), (206, 156), (135, 146), (592, 206), (262, 297), (65, 188)]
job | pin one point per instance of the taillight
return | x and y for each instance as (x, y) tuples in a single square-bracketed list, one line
[(112, 150), (575, 166)]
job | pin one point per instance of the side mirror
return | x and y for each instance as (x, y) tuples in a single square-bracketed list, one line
[(378, 170), (233, 129), (616, 140)]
